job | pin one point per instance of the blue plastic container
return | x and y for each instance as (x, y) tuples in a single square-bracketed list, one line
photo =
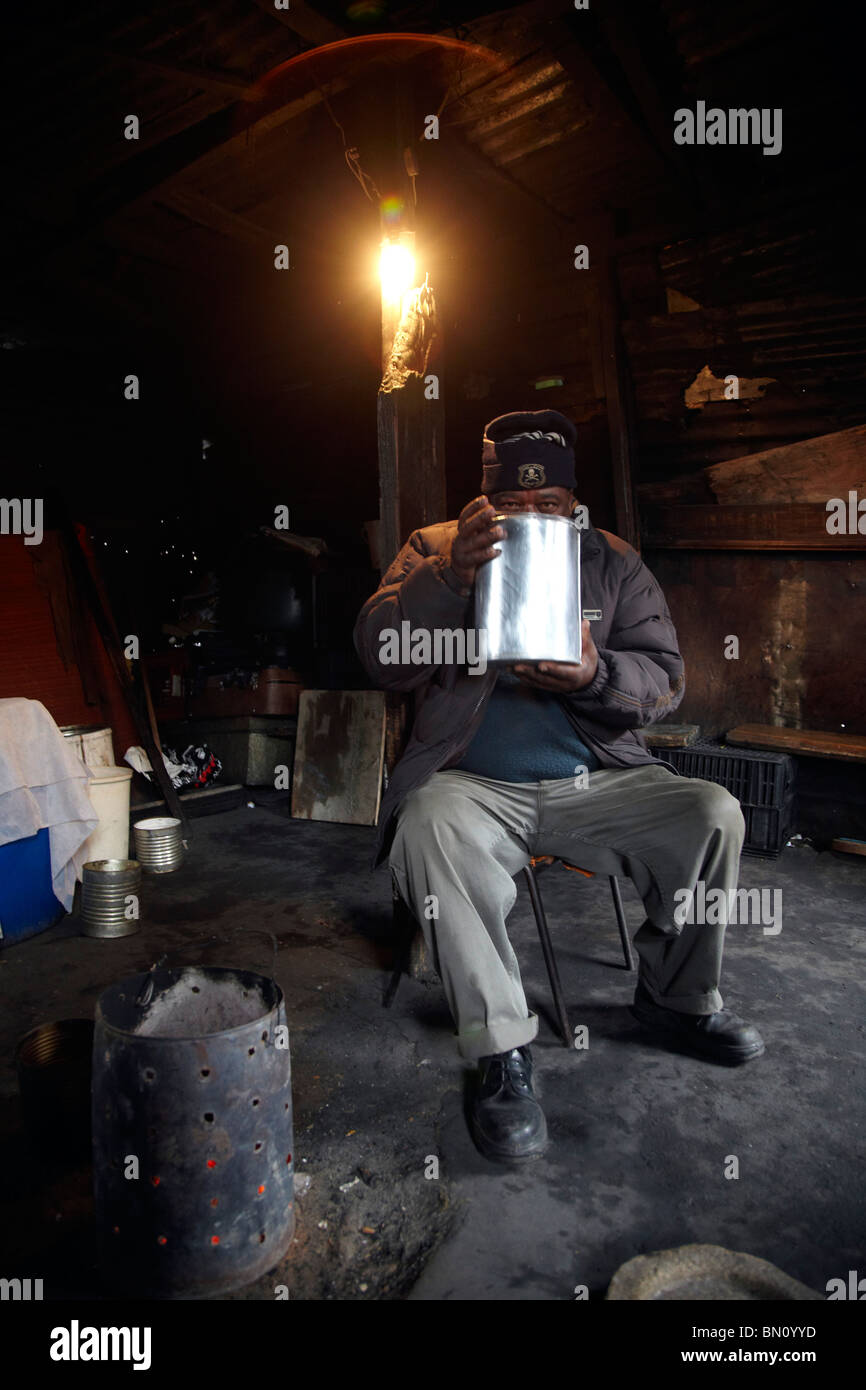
[(27, 901)]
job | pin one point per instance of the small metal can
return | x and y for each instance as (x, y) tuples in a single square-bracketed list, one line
[(110, 897), (158, 844)]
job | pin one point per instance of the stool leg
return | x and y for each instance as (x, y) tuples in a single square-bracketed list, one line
[(394, 984), (403, 929), (621, 923), (549, 959)]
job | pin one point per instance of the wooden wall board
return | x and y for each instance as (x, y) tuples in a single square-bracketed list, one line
[(812, 743), (797, 619), (338, 756), (752, 526)]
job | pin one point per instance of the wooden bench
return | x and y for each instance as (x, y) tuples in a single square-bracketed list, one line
[(810, 743)]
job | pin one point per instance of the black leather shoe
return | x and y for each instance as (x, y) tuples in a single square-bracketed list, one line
[(507, 1122), (721, 1036)]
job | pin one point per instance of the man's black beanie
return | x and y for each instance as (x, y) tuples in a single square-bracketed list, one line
[(528, 449)]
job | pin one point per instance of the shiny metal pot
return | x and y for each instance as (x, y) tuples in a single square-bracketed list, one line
[(527, 598)]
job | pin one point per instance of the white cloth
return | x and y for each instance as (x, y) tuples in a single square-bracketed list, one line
[(43, 783)]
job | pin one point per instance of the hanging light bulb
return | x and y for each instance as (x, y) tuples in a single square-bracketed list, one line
[(396, 270)]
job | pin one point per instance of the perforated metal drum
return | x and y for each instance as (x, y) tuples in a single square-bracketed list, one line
[(192, 1096)]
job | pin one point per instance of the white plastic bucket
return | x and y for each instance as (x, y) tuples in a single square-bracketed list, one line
[(93, 745), (109, 793)]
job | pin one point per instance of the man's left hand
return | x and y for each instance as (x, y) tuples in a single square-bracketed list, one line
[(559, 677)]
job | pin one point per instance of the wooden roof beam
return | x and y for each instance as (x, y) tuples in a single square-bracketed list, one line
[(304, 21), (602, 85), (206, 80)]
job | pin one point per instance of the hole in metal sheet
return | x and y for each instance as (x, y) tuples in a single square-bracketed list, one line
[(149, 1073), (211, 1163), (214, 1240), (155, 1182), (289, 1159), (250, 1051), (256, 1101), (209, 1116), (205, 1071), (261, 1237), (261, 1188), (195, 989), (161, 1240), (265, 1035), (214, 1201), (257, 1146)]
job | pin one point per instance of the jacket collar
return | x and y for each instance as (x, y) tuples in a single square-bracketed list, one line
[(590, 542)]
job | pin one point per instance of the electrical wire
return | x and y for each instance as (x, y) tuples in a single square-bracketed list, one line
[(352, 157)]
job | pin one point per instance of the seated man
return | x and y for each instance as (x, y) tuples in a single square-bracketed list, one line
[(502, 767)]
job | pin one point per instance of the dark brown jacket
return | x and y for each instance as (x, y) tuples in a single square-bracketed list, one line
[(640, 671)]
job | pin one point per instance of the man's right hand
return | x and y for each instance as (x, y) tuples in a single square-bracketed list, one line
[(473, 544)]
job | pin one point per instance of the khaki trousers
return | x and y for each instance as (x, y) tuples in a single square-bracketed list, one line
[(461, 839)]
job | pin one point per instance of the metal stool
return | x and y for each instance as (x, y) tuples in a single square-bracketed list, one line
[(409, 929), (531, 874)]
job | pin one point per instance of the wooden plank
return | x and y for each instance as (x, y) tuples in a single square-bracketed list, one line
[(765, 526), (304, 21), (812, 743), (848, 846), (811, 470), (205, 79), (197, 208), (338, 756)]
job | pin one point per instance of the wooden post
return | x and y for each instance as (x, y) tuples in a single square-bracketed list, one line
[(619, 410), (611, 366), (411, 469)]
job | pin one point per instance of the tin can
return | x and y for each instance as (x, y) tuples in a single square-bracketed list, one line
[(527, 598), (107, 885), (158, 844)]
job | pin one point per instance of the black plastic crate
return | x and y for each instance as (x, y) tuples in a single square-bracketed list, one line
[(763, 783), (768, 827)]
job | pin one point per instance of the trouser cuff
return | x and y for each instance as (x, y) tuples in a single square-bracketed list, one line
[(498, 1037), (710, 1002)]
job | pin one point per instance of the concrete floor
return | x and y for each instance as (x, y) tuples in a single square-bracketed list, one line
[(641, 1136)]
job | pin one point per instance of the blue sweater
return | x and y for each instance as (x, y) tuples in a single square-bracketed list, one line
[(525, 736)]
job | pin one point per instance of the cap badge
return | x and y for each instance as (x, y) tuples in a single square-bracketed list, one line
[(531, 475)]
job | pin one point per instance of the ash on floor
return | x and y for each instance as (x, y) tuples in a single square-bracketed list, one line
[(641, 1135)]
